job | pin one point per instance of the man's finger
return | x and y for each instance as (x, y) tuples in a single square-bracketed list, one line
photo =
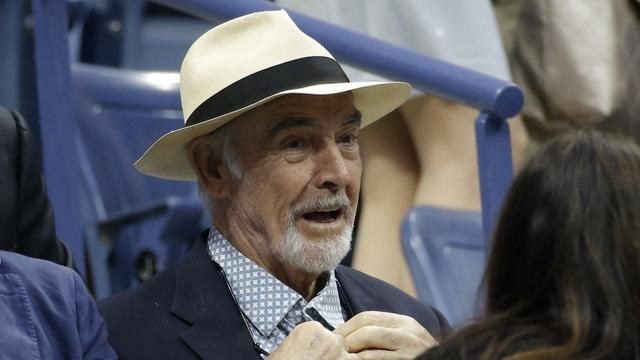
[(375, 337), (381, 355), (311, 340), (377, 318)]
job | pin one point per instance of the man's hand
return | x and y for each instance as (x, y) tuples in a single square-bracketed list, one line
[(311, 341), (380, 335)]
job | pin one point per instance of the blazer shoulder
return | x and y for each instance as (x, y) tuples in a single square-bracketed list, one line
[(372, 294), (36, 272), (157, 291), (48, 286), (53, 297), (140, 314), (137, 318)]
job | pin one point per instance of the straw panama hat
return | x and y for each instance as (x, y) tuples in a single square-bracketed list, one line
[(244, 63)]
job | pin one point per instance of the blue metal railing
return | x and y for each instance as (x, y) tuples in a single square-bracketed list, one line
[(496, 99), (446, 80), (57, 124)]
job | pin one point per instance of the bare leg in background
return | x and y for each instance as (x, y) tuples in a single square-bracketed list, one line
[(422, 155), (388, 189)]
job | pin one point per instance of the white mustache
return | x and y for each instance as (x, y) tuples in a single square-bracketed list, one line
[(322, 204)]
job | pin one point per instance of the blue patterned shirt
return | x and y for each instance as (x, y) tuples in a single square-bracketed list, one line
[(272, 308)]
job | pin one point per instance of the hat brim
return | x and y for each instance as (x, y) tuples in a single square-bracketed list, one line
[(167, 158)]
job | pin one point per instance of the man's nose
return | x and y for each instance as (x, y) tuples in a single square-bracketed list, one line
[(333, 172)]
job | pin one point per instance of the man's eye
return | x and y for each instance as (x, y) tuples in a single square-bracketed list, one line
[(295, 144), (349, 139)]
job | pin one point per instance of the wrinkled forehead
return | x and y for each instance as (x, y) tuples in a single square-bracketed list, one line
[(296, 109)]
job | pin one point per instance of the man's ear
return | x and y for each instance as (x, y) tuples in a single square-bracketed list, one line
[(212, 173)]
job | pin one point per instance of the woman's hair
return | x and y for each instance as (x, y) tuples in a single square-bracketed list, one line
[(563, 277)]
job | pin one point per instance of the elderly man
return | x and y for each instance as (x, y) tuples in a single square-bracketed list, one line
[(271, 136)]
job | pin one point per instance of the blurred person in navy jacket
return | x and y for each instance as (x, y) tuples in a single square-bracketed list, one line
[(563, 278), (46, 312), (271, 137), (26, 216)]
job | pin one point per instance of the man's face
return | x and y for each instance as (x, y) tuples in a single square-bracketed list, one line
[(300, 181)]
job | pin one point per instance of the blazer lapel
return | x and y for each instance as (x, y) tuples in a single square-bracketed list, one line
[(203, 300), (355, 297)]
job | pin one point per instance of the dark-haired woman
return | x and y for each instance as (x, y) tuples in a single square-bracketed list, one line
[(563, 277)]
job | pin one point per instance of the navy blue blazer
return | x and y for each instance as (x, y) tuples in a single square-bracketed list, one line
[(187, 312), (47, 313)]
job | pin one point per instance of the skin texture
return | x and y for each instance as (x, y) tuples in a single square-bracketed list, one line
[(380, 335), (314, 154), (423, 154), (368, 335), (311, 341), (291, 151)]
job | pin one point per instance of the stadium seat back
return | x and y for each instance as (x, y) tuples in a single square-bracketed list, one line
[(445, 251), (142, 224)]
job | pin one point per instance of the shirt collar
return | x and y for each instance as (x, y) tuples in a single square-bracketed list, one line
[(263, 298)]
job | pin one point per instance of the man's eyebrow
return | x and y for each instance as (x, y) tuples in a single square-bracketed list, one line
[(356, 119), (292, 122), (302, 121)]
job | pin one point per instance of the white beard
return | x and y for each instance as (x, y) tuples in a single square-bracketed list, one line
[(314, 256)]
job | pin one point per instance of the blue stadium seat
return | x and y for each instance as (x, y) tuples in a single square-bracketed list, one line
[(445, 250), (115, 216), (161, 41), (10, 38), (138, 35), (137, 224)]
